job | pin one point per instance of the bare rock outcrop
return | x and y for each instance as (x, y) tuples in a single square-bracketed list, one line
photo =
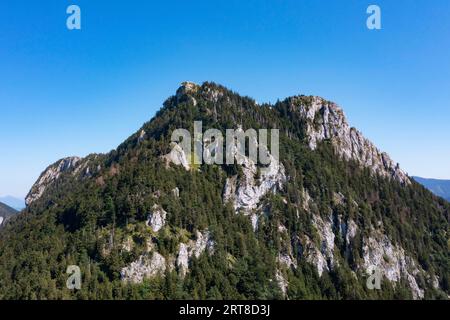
[(325, 230), (247, 191), (147, 266), (282, 282), (50, 175), (391, 260), (193, 248), (326, 121), (311, 252), (178, 157), (157, 218)]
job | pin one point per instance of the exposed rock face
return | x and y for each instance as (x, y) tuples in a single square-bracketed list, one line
[(183, 259), (282, 282), (147, 266), (287, 260), (285, 257), (391, 261), (314, 256), (247, 192), (177, 157), (157, 218), (254, 219), (338, 198), (185, 92), (176, 192), (326, 234), (435, 282), (349, 230), (378, 251), (320, 255), (306, 198), (186, 88), (326, 121), (1, 220), (195, 248), (141, 136), (202, 243), (212, 94), (50, 175)]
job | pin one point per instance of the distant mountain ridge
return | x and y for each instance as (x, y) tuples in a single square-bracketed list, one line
[(13, 202), (6, 212), (439, 187)]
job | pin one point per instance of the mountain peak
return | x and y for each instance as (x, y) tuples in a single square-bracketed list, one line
[(326, 121), (50, 175), (329, 183), (187, 87)]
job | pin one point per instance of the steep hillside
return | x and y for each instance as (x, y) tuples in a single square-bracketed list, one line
[(146, 222)]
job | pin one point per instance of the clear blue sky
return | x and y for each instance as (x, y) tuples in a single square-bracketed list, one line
[(68, 93)]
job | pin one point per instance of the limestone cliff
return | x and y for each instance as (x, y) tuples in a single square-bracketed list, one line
[(326, 121)]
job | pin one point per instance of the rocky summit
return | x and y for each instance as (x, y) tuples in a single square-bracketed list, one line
[(146, 221)]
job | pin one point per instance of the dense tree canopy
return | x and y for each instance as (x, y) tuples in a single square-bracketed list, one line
[(84, 221)]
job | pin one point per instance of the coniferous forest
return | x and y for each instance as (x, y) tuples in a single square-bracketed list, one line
[(96, 217)]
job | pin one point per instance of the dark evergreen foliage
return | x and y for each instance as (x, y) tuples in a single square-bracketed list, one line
[(76, 219)]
